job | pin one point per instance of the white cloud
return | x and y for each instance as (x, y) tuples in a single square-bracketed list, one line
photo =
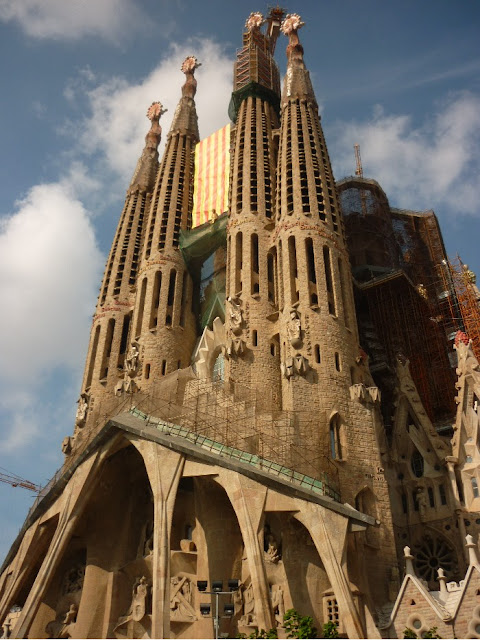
[(49, 273), (433, 165), (117, 125), (66, 20)]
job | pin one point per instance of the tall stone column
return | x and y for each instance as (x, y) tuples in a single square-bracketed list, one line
[(163, 323), (252, 304), (111, 354)]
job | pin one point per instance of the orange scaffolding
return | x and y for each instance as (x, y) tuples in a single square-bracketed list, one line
[(468, 301)]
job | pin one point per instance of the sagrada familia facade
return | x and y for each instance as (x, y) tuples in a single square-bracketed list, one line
[(273, 414)]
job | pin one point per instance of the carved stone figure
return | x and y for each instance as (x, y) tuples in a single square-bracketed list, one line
[(235, 313), (278, 604), (131, 361), (422, 502), (73, 579), (301, 365), (67, 444), (139, 599), (235, 347), (181, 600), (248, 619), (127, 385), (68, 622), (272, 553), (287, 368), (137, 621), (81, 414), (294, 329)]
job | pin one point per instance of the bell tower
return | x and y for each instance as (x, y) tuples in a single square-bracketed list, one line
[(109, 344), (252, 306), (163, 324)]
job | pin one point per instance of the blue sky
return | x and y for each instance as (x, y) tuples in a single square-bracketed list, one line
[(400, 78)]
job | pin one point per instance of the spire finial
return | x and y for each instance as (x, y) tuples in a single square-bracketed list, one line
[(188, 67), (290, 27), (472, 551), (154, 112), (254, 21), (442, 580), (409, 570)]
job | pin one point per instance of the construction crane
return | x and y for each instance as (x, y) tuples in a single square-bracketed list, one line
[(16, 481), (358, 161)]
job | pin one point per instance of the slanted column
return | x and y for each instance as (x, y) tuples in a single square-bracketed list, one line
[(248, 500), (75, 497), (164, 469), (329, 534)]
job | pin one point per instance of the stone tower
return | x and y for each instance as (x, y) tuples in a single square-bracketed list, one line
[(163, 324), (323, 369), (252, 343), (109, 347), (265, 472)]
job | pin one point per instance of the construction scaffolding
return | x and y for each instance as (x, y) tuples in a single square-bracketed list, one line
[(467, 301), (403, 321), (235, 417)]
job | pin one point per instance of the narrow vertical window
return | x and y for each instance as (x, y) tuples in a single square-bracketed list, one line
[(292, 262), (157, 284), (254, 338), (442, 494), (280, 275), (147, 371), (238, 262), (107, 348), (171, 297), (141, 305), (336, 438), (343, 291), (164, 367), (125, 328), (404, 503), (431, 497), (93, 357), (183, 304), (255, 286), (312, 278), (271, 277), (329, 281), (337, 361), (317, 354)]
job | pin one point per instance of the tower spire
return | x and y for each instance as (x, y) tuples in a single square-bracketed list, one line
[(252, 343), (147, 165), (108, 349), (163, 323)]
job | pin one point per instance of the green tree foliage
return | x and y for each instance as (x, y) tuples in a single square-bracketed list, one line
[(330, 630), (298, 626)]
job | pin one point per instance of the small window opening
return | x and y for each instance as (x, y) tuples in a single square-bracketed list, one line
[(442, 493), (254, 338), (164, 367), (317, 353), (337, 361), (147, 371)]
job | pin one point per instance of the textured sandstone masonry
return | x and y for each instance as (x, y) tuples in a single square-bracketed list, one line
[(251, 309), (111, 323), (163, 323), (320, 352)]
